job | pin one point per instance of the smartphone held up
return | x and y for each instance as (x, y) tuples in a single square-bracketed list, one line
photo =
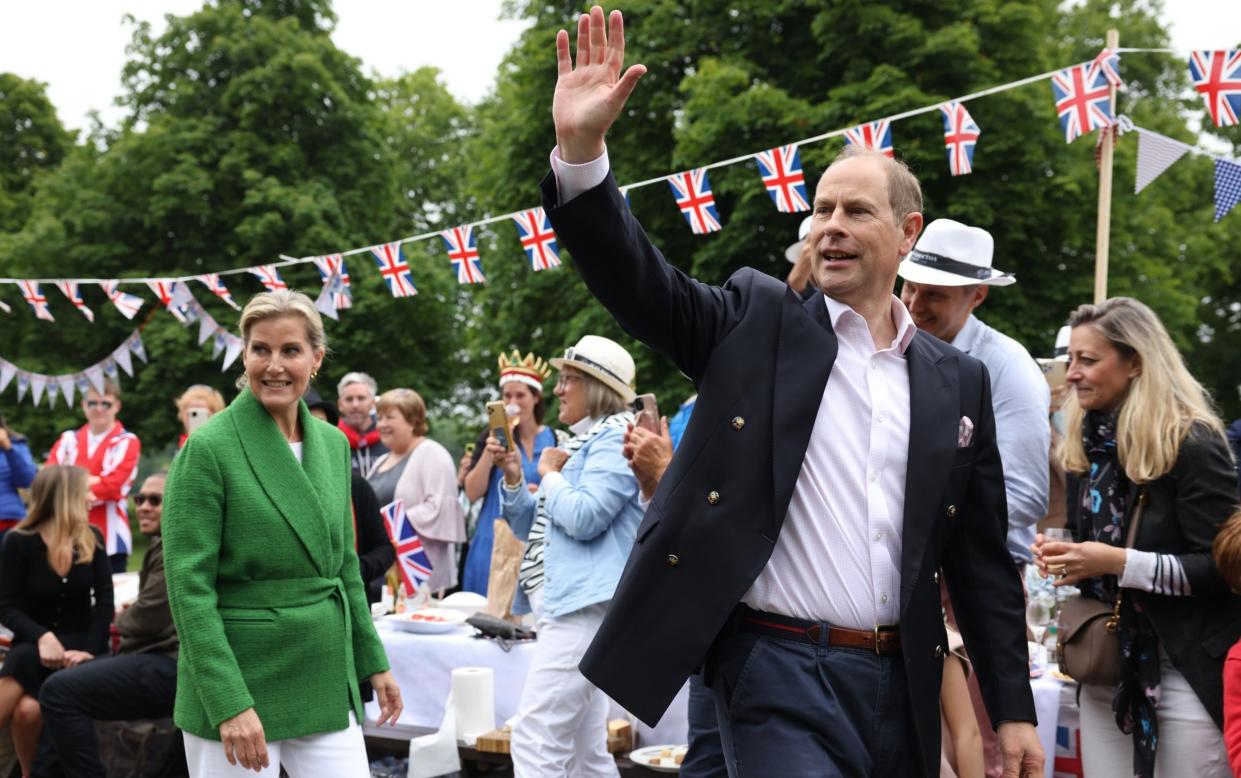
[(500, 424), (646, 413)]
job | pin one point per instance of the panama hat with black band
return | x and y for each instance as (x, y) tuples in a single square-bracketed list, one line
[(953, 254), (602, 359)]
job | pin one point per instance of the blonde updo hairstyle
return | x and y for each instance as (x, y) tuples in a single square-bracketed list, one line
[(282, 302)]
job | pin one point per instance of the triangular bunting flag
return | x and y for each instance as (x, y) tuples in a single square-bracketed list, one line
[(135, 345), (1227, 187), (232, 349), (463, 254), (38, 382), (876, 136), (109, 369), (123, 359), (53, 391), (270, 277), (537, 239), (218, 343), (326, 302), (23, 385), (71, 290), (1156, 154), (206, 328), (5, 307), (692, 190), (30, 291), (82, 383), (394, 269), (7, 371), (164, 290), (67, 386), (94, 374), (334, 264), (127, 304), (212, 281)]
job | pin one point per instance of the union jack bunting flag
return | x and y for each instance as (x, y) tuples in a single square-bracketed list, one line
[(876, 136), (164, 290), (270, 277), (30, 290), (537, 239), (71, 290), (782, 175), (1083, 99), (411, 557), (393, 268), (692, 190), (342, 293), (463, 253), (212, 281), (1217, 77), (1109, 60), (127, 304), (960, 136)]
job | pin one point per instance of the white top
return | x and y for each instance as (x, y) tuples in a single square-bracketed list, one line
[(93, 441), (297, 449), (839, 552)]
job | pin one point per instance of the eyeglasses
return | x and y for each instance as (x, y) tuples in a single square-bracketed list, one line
[(105, 404), (565, 379), (153, 499)]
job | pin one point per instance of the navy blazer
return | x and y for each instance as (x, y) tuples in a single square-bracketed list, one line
[(760, 357)]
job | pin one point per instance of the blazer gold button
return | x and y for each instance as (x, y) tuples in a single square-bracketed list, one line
[(952, 511), (738, 422), (673, 560), (939, 652), (713, 497)]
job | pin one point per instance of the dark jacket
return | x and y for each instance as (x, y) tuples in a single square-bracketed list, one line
[(146, 626), (16, 472), (760, 357), (375, 551), (1184, 509)]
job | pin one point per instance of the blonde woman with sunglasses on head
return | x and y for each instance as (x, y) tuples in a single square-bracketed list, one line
[(56, 596)]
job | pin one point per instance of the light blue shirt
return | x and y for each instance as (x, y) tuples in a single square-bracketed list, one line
[(1020, 398), (594, 512)]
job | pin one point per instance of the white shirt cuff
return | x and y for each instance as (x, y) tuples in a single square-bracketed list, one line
[(573, 180), (510, 491), (644, 503), (1139, 570)]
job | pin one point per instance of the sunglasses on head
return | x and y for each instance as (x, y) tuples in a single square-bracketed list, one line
[(153, 499), (105, 404)]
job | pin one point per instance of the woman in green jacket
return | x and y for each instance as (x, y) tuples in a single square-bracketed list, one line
[(262, 575)]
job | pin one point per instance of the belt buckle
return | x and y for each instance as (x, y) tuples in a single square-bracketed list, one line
[(812, 633), (877, 653)]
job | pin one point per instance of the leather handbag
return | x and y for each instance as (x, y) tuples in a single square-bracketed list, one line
[(1087, 648)]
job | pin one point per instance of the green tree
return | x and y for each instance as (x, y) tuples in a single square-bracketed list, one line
[(32, 141)]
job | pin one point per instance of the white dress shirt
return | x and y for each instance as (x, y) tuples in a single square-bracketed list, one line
[(838, 556)]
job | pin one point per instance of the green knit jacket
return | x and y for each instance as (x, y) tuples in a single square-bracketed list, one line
[(263, 579)]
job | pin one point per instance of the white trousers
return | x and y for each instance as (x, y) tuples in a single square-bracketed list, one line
[(327, 755), (1189, 742), (561, 725)]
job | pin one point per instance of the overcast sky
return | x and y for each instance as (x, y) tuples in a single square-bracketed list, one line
[(77, 47)]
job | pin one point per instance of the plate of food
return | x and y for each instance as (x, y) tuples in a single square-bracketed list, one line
[(427, 621), (661, 759)]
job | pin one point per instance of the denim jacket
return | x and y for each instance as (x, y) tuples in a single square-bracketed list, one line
[(594, 515), (16, 472)]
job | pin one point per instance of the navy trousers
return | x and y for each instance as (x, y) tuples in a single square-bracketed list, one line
[(705, 757), (788, 707)]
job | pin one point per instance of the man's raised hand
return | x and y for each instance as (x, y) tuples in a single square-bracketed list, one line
[(590, 95)]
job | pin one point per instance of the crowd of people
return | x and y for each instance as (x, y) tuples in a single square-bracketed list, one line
[(828, 541)]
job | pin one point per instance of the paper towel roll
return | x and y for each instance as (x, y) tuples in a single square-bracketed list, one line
[(473, 701)]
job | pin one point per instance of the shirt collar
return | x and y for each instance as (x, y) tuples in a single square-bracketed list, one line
[(583, 425), (967, 337), (905, 327)]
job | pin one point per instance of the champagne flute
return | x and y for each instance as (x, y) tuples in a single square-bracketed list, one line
[(1060, 535)]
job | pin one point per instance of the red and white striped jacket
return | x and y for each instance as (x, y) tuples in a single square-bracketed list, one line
[(115, 462)]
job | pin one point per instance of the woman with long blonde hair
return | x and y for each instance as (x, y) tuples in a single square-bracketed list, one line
[(55, 595), (1141, 432)]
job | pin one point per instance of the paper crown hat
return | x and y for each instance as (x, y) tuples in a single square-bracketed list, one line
[(529, 370)]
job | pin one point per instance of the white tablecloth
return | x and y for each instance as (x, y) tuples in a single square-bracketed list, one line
[(423, 666), (1047, 707)]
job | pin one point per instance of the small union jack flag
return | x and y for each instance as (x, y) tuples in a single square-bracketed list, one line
[(1217, 77), (537, 238), (71, 290), (212, 281), (876, 136), (270, 277), (30, 290), (960, 136), (1109, 61), (394, 269), (127, 304), (1067, 762), (782, 175), (164, 290), (411, 557), (463, 253), (1083, 99), (692, 190), (342, 293)]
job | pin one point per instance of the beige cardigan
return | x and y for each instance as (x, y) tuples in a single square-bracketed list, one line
[(428, 488)]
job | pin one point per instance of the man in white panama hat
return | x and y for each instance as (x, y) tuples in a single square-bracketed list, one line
[(948, 275)]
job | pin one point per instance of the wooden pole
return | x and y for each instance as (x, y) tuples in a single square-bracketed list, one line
[(1104, 222)]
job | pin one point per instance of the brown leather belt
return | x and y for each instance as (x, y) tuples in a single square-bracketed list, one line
[(884, 641)]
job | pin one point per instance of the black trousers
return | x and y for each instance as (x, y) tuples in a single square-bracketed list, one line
[(110, 688)]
